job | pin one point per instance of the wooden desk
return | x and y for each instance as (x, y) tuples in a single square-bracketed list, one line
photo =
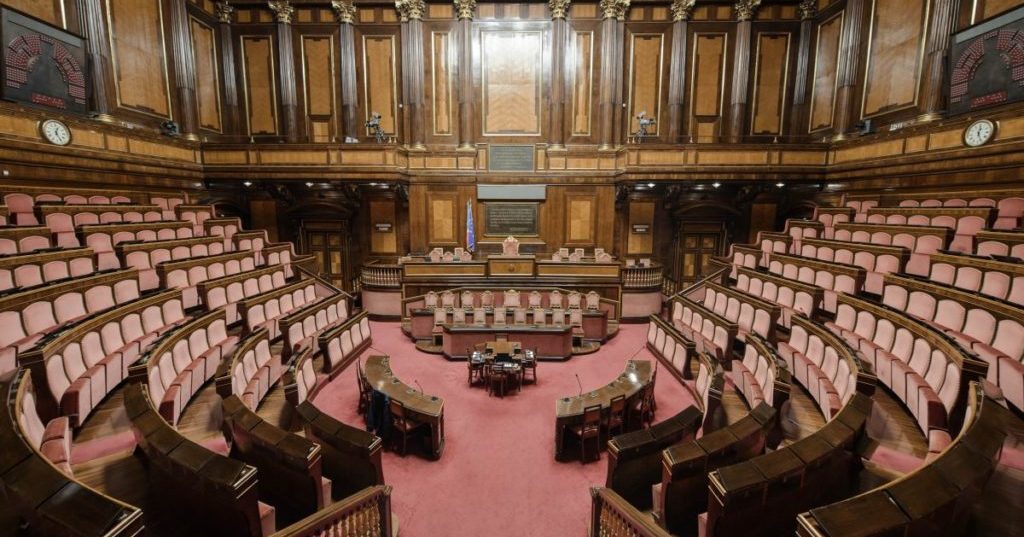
[(422, 408), (503, 348), (549, 342), (569, 410), (421, 322)]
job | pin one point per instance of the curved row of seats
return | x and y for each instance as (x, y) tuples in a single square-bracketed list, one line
[(675, 351), (710, 332), (250, 371), (227, 291), (177, 365), (303, 325), (266, 310), (1009, 205), (511, 298), (822, 363), (39, 267), (342, 344), (752, 315), (793, 297), (759, 377), (187, 274), (935, 499)]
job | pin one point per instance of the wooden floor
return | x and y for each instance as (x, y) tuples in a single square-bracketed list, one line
[(124, 475)]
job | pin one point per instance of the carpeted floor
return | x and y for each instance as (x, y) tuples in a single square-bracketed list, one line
[(498, 476)]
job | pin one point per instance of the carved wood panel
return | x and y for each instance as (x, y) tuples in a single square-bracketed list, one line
[(259, 88), (707, 79), (640, 242), (511, 66), (826, 62), (137, 50), (319, 86), (771, 74), (207, 74), (380, 80), (581, 67), (894, 55), (48, 10), (646, 60), (442, 82)]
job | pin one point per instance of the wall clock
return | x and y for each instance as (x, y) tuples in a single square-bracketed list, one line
[(979, 133), (55, 132)]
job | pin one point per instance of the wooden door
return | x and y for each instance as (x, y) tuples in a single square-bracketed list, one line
[(328, 243), (696, 245)]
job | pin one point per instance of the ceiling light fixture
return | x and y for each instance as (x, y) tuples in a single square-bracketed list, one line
[(650, 185), (247, 183), (780, 184), (309, 184), (716, 184)]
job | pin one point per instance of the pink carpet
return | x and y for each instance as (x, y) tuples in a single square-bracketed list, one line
[(498, 476)]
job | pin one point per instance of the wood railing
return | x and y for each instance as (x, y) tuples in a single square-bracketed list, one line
[(669, 286), (366, 513), (612, 516), (639, 277), (376, 275)]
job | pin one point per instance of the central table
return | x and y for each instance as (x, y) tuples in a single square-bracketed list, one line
[(421, 407)]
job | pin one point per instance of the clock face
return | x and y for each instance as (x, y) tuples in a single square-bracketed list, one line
[(979, 133), (56, 132)]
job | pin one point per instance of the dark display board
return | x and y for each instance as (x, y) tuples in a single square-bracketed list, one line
[(502, 219), (510, 158), (43, 66), (988, 64)]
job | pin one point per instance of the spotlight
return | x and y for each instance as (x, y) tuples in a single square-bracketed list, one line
[(650, 185), (247, 183), (716, 184), (780, 184)]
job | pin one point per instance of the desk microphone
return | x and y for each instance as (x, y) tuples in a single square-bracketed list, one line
[(580, 384), (418, 385)]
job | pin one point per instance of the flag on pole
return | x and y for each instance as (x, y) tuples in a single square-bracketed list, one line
[(470, 231)]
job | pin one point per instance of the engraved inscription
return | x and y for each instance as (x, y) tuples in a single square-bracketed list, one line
[(510, 158), (502, 219)]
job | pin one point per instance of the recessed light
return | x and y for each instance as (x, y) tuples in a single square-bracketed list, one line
[(650, 185), (247, 183), (373, 184), (716, 184), (780, 184), (309, 184)]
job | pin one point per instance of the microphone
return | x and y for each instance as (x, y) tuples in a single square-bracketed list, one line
[(580, 384), (418, 385)]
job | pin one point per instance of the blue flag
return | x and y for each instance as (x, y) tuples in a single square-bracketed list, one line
[(470, 231)]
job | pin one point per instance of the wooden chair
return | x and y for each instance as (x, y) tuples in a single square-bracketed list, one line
[(402, 425), (530, 364), (642, 411), (590, 429), (476, 369), (365, 391), (616, 419), (496, 378)]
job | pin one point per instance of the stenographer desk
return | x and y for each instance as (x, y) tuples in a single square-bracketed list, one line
[(548, 342)]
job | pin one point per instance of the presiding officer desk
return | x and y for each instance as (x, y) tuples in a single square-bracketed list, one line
[(548, 342), (421, 322), (419, 406), (569, 410)]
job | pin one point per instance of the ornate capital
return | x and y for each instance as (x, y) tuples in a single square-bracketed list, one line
[(282, 9), (682, 9), (614, 9), (559, 8), (464, 9), (344, 11), (808, 9), (223, 12), (745, 9), (410, 10)]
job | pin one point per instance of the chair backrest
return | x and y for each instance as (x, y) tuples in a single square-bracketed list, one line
[(593, 300), (479, 317), (617, 406), (592, 416), (539, 317), (397, 410), (487, 299), (500, 315), (519, 315)]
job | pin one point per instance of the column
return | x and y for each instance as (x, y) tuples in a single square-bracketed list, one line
[(846, 72), (97, 56), (936, 60), (612, 12), (745, 10), (808, 9), (464, 38), (283, 12), (559, 45), (411, 14), (232, 116), (345, 12), (681, 11), (184, 70)]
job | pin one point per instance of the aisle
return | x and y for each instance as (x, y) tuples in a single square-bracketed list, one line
[(498, 476)]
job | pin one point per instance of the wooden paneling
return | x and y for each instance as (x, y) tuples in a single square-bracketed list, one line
[(990, 8), (380, 81), (707, 81), (207, 73), (770, 83), (443, 218), (512, 66), (580, 221), (645, 76), (263, 214), (260, 91), (826, 62), (382, 211), (442, 82), (582, 73), (50, 11), (641, 213), (319, 89), (895, 46), (138, 54)]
